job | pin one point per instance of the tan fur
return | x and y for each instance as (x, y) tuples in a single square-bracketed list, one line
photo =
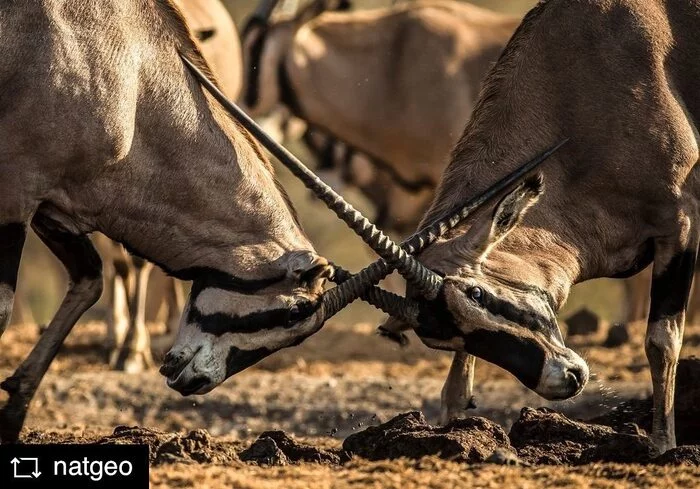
[(629, 103), (104, 129), (396, 83)]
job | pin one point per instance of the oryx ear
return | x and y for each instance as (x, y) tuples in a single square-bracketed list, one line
[(307, 267), (484, 235)]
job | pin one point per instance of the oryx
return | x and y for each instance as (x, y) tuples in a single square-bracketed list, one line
[(105, 129), (394, 85), (619, 79)]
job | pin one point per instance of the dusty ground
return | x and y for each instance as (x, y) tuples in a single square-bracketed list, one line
[(334, 385)]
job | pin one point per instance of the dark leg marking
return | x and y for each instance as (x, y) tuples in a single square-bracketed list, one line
[(12, 237), (671, 289), (84, 268), (669, 297)]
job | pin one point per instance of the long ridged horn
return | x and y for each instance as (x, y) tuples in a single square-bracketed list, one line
[(264, 10), (363, 283), (427, 282)]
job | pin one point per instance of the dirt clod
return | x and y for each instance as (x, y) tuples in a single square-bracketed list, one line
[(583, 322), (409, 435), (195, 447), (683, 455), (618, 335), (278, 448), (542, 436), (264, 451)]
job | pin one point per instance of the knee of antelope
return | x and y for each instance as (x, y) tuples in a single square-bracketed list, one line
[(663, 344)]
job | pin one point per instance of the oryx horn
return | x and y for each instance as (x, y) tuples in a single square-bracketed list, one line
[(427, 282), (362, 283)]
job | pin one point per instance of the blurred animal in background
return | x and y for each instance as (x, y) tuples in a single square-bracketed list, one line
[(385, 92)]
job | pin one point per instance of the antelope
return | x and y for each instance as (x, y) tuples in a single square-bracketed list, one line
[(128, 339), (115, 134), (623, 193), (105, 129), (395, 85)]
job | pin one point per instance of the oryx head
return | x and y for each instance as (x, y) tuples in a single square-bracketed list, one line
[(266, 44), (491, 306), (231, 323)]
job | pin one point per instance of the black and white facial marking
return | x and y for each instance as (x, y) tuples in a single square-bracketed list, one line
[(229, 323), (501, 318)]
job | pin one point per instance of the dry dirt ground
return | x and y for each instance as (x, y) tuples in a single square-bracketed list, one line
[(334, 386)]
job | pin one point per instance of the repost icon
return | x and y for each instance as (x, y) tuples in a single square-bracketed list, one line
[(25, 467)]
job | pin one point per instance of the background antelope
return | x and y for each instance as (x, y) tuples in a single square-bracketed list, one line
[(114, 135), (621, 194), (394, 83)]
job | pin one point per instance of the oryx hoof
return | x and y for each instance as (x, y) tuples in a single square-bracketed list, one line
[(12, 416), (458, 411), (399, 338)]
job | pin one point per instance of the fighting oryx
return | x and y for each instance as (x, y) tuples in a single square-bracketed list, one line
[(395, 85), (105, 129), (621, 194), (132, 282)]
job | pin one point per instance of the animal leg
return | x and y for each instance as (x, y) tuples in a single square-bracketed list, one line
[(12, 238), (636, 297), (118, 307), (84, 268), (175, 300), (670, 288), (456, 396), (135, 354)]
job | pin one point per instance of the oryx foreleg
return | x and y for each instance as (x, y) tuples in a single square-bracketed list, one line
[(12, 238), (670, 289), (84, 267), (135, 353), (456, 396)]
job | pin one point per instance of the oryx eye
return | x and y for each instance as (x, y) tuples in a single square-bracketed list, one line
[(476, 294)]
